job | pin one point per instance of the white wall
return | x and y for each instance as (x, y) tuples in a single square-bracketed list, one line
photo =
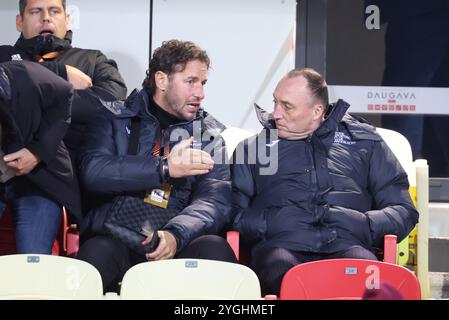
[(8, 11), (244, 40), (250, 43), (120, 29), (102, 25)]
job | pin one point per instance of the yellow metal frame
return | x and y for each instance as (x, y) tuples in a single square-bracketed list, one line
[(413, 251)]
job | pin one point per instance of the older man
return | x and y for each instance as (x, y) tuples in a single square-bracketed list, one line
[(337, 191)]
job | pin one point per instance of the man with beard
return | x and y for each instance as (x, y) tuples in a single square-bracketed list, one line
[(176, 176)]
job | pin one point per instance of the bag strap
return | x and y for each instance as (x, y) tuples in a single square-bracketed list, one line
[(134, 136)]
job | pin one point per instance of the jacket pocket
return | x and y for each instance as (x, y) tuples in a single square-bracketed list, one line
[(252, 224), (351, 225)]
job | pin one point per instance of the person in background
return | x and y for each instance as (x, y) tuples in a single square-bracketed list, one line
[(36, 174), (45, 37), (417, 55)]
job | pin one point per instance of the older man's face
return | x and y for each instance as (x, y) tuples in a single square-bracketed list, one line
[(295, 112)]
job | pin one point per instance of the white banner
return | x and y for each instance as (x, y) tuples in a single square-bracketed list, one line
[(398, 100)]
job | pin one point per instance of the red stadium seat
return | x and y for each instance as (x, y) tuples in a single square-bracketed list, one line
[(389, 253), (348, 279)]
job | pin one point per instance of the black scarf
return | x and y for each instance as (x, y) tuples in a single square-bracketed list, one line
[(165, 119), (40, 45)]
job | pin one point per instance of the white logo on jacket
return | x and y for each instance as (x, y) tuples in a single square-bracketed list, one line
[(16, 57), (341, 138)]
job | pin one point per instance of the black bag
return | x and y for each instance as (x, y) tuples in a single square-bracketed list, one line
[(130, 218)]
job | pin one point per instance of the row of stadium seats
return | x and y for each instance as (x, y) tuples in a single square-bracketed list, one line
[(138, 284), (55, 277)]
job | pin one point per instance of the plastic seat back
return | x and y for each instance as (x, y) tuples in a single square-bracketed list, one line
[(402, 149), (190, 279), (7, 233), (49, 277), (346, 279)]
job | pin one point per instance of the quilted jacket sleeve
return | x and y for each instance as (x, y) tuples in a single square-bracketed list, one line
[(389, 185), (104, 169), (210, 207)]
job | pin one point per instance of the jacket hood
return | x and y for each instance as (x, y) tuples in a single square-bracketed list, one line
[(265, 117), (357, 127), (336, 113)]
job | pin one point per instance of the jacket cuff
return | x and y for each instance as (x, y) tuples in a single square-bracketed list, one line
[(34, 149), (380, 225), (175, 233)]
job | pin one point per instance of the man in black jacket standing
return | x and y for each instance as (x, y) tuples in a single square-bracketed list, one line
[(45, 37), (417, 55), (36, 175), (168, 173), (337, 191)]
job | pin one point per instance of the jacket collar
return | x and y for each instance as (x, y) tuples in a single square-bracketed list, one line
[(336, 113), (40, 45)]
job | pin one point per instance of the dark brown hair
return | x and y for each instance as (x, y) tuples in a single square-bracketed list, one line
[(172, 57)]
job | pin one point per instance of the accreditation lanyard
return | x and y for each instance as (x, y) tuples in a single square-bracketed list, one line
[(160, 196), (162, 140), (47, 56)]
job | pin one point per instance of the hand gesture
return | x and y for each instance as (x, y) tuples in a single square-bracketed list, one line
[(184, 161), (21, 162), (78, 79)]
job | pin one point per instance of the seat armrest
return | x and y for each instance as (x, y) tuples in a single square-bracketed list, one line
[(390, 249), (233, 238)]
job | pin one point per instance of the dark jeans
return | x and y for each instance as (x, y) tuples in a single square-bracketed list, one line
[(37, 217), (271, 264), (112, 258)]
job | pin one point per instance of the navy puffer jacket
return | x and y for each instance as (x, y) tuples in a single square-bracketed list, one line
[(341, 187), (107, 170)]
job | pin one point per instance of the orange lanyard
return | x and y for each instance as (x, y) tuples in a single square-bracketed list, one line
[(157, 146), (47, 56)]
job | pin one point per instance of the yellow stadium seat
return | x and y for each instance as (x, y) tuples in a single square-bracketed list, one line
[(413, 251)]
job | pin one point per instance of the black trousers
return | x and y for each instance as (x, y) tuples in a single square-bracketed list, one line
[(112, 258), (271, 264)]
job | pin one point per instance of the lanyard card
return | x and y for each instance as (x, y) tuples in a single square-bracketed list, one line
[(159, 197)]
